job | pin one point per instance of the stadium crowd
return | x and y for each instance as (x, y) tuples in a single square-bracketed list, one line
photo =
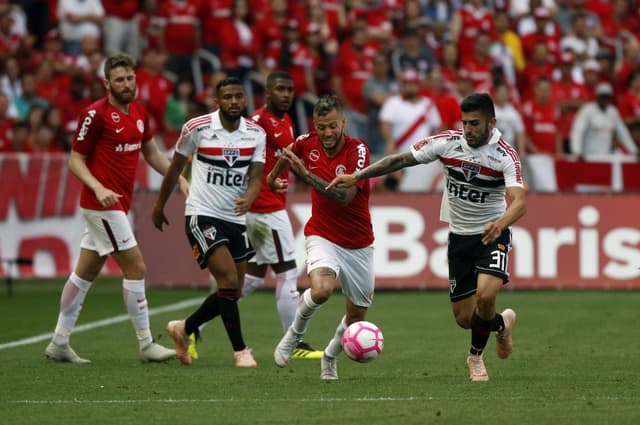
[(544, 61)]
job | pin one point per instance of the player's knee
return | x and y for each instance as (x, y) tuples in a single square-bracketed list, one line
[(463, 320)]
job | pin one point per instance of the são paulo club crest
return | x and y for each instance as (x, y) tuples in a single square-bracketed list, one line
[(230, 155), (470, 170), (210, 233)]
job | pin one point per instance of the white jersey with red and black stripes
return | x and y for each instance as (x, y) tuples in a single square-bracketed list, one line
[(477, 178), (220, 164)]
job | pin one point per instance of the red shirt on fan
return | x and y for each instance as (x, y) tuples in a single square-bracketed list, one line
[(279, 136), (180, 19), (348, 226), (111, 141)]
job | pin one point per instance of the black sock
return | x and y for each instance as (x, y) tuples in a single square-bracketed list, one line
[(228, 303), (497, 324), (208, 310), (480, 330)]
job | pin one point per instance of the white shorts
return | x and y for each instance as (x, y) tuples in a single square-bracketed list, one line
[(271, 235), (106, 231), (354, 267)]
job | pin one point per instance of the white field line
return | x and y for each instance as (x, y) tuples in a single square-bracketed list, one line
[(101, 323), (303, 400)]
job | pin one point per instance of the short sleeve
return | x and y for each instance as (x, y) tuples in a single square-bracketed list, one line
[(88, 131)]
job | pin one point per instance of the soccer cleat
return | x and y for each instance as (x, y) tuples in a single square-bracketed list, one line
[(477, 371), (304, 351), (244, 358), (284, 349), (175, 329), (63, 353), (193, 351), (328, 368), (504, 342), (156, 353)]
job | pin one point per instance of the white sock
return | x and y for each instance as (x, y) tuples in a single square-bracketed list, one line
[(251, 283), (287, 296), (306, 309), (136, 302), (334, 348), (71, 300)]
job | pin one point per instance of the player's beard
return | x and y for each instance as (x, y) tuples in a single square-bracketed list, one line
[(230, 116), (124, 97), (480, 140)]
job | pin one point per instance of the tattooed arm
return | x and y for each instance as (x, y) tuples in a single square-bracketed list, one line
[(342, 196), (386, 165)]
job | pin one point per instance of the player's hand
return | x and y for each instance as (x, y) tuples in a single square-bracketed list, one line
[(159, 218), (491, 232), (278, 185), (241, 206), (107, 197), (184, 186), (295, 163), (342, 182)]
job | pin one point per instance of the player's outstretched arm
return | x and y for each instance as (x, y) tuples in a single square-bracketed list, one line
[(386, 165), (168, 183)]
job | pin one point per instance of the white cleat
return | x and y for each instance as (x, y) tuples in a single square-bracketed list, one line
[(284, 349), (504, 340), (156, 353), (63, 353), (328, 368), (477, 371)]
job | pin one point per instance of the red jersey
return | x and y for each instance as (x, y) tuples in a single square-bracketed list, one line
[(123, 9), (348, 226), (6, 134), (474, 22), (213, 13), (180, 18), (542, 124), (568, 91), (354, 67), (279, 136), (111, 140), (629, 106)]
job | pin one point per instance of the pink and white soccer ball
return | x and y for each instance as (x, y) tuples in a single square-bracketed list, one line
[(362, 341)]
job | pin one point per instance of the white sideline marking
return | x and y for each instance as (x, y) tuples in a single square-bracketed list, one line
[(102, 323), (310, 400)]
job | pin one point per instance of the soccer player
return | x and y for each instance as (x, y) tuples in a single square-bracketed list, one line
[(480, 167), (268, 225), (228, 155), (339, 234), (104, 157)]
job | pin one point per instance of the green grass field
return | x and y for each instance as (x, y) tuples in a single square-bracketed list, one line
[(576, 360)]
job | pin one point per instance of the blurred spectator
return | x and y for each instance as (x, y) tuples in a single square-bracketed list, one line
[(581, 40), (91, 59), (569, 95), (450, 65), (208, 96), (269, 32), (468, 21), (179, 104), (546, 33), (29, 99), (447, 103), (538, 66), (34, 120), (479, 65), (374, 13), (414, 54), (73, 101), (120, 27), (53, 121), (298, 60), (180, 34), (53, 51), (38, 12), (79, 18), (541, 119), (376, 90), (10, 83), (150, 25), (20, 137), (625, 21), (240, 49), (50, 86), (406, 118), (597, 124), (412, 16), (439, 11), (522, 12), (9, 39), (509, 39), (591, 76), (6, 124), (318, 46), (629, 103), (153, 87), (509, 120), (213, 13)]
